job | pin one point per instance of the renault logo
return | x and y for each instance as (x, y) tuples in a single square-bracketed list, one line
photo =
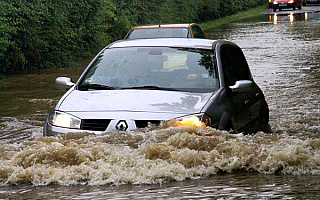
[(122, 125)]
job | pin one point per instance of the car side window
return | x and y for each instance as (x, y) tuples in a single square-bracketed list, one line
[(228, 67), (234, 65), (197, 32), (241, 65)]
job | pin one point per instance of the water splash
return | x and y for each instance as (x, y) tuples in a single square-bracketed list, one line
[(154, 156)]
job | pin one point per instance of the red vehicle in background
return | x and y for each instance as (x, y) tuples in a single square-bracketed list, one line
[(283, 4)]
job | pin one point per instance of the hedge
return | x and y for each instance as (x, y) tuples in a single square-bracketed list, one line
[(37, 34)]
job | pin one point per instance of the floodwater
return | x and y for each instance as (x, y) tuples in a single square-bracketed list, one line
[(178, 163)]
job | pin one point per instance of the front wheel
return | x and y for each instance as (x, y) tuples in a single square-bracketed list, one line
[(225, 122), (264, 119)]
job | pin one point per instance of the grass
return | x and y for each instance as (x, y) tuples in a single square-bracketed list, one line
[(238, 16)]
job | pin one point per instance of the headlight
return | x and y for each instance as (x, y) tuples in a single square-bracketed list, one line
[(290, 2), (199, 120), (64, 120), (275, 2)]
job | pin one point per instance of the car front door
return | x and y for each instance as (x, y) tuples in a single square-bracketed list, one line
[(235, 68)]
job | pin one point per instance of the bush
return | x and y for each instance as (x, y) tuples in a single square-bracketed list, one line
[(45, 34)]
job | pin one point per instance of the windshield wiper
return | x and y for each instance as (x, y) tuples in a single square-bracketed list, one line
[(151, 87), (105, 87), (95, 87)]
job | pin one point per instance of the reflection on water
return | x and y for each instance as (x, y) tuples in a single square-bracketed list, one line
[(238, 186), (275, 18)]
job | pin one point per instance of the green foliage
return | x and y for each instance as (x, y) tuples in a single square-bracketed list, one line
[(38, 34), (44, 34)]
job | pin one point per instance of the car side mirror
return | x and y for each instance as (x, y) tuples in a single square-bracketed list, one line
[(242, 86), (64, 82)]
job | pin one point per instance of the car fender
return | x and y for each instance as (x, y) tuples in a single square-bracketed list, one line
[(220, 107)]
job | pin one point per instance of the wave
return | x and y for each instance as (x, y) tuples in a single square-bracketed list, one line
[(154, 156)]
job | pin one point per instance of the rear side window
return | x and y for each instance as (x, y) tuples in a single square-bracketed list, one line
[(197, 32), (235, 66)]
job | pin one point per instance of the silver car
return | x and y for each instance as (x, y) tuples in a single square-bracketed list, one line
[(131, 84)]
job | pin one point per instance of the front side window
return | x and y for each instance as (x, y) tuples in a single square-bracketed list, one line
[(166, 68), (228, 65), (242, 68), (235, 66)]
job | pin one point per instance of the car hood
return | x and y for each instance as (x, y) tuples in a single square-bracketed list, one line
[(133, 101)]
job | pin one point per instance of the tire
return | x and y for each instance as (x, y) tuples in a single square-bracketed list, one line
[(264, 125), (230, 127), (266, 128), (225, 122), (264, 119)]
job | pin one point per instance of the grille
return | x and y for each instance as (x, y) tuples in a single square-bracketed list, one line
[(144, 123), (95, 124)]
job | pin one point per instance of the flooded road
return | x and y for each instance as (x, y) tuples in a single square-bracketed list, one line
[(283, 53), (284, 59)]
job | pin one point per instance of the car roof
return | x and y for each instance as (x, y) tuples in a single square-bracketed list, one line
[(164, 26), (165, 42)]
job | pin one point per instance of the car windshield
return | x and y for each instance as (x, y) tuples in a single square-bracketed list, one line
[(144, 33), (152, 68)]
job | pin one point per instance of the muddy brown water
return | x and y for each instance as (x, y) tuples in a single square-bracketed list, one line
[(178, 163)]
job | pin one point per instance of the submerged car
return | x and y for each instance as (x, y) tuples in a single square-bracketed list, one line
[(283, 4), (305, 2), (131, 84), (166, 31)]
